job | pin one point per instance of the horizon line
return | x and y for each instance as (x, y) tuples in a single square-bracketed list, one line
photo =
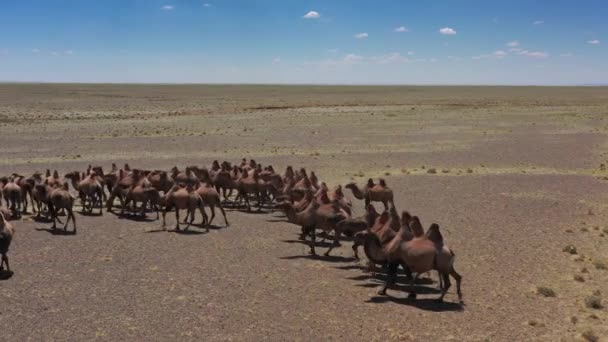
[(322, 84)]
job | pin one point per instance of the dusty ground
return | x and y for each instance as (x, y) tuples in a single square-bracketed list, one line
[(517, 177)]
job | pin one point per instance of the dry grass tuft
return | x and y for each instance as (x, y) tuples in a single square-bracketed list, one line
[(570, 249), (545, 291), (590, 336), (432, 171), (594, 302), (600, 265), (579, 278)]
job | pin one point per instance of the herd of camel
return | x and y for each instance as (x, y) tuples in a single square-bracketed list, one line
[(388, 238)]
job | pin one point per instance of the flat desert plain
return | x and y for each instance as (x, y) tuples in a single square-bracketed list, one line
[(513, 175)]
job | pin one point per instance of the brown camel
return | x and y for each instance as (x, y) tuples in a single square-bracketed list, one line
[(373, 192), (160, 180), (12, 194), (418, 252), (250, 185), (7, 233), (60, 198), (351, 227), (224, 182), (183, 197), (90, 191), (315, 216), (145, 195), (212, 198)]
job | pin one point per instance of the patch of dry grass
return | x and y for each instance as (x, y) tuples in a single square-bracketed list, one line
[(545, 291)]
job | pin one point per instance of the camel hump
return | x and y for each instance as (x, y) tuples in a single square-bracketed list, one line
[(416, 227), (405, 217), (55, 174), (65, 187), (382, 182), (434, 234), (370, 183)]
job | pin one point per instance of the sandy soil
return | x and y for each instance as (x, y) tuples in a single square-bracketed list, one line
[(512, 175)]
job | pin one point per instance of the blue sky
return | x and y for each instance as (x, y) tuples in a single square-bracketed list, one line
[(290, 41)]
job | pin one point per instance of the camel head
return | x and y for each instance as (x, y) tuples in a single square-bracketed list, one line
[(98, 170)]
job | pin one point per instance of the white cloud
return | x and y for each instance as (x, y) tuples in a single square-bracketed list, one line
[(567, 54), (410, 53), (68, 52), (352, 58), (311, 15), (167, 8), (361, 35), (500, 54), (35, 50), (534, 54), (391, 58), (276, 60), (206, 5), (515, 50), (448, 31), (538, 22), (594, 42), (401, 29), (513, 44)]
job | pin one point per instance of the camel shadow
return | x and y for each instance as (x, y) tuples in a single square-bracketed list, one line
[(186, 232), (277, 221), (89, 214), (207, 226), (42, 219), (427, 304), (322, 244), (58, 231), (6, 275), (400, 279), (327, 258)]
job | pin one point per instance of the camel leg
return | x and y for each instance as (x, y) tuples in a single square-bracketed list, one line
[(312, 240), (212, 210), (458, 279), (260, 200), (4, 261), (413, 286), (224, 214), (385, 205), (391, 274), (447, 283), (71, 213), (336, 242), (164, 214), (110, 202), (406, 270), (206, 221), (177, 218)]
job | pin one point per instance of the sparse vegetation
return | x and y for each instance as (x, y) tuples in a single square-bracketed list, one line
[(432, 171), (579, 278), (545, 291), (600, 265), (594, 302), (570, 249), (590, 336)]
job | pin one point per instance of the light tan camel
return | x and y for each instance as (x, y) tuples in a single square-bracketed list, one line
[(211, 197), (60, 198), (183, 197), (351, 227), (12, 194), (372, 192), (7, 233), (90, 191)]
